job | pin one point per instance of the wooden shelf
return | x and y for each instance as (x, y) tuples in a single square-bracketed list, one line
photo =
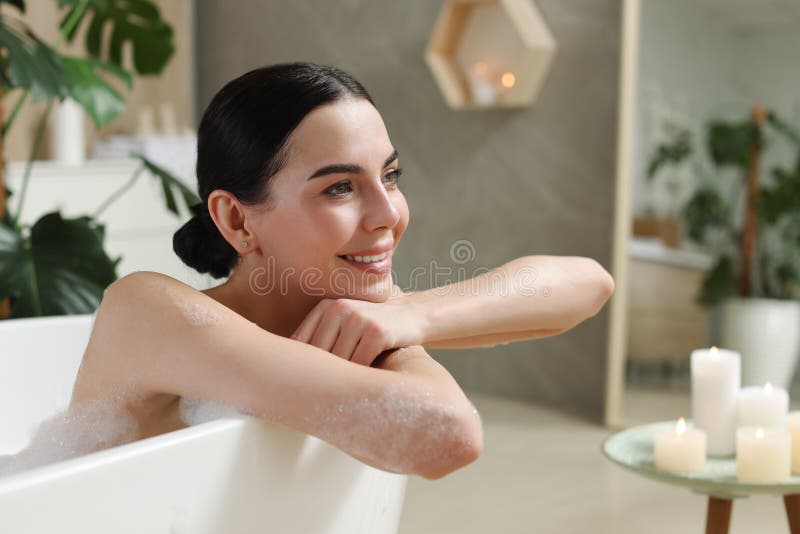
[(490, 53)]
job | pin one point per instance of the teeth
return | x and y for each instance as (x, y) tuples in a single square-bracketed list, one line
[(367, 259)]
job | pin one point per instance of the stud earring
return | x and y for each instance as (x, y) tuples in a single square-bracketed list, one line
[(244, 243)]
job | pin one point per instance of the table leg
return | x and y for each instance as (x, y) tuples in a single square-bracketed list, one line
[(792, 503), (719, 516)]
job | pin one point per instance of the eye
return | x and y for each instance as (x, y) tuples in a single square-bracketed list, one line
[(394, 176), (338, 190)]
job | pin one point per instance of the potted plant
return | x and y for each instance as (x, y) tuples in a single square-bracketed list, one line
[(754, 233), (59, 266)]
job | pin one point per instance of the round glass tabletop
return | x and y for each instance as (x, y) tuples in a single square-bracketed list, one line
[(633, 449)]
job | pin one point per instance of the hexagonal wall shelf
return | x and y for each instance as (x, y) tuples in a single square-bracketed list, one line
[(490, 53)]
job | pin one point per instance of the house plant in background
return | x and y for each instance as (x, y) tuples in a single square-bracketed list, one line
[(59, 266), (753, 232), (666, 226)]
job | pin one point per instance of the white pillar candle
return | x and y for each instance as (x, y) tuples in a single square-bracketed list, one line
[(481, 87), (716, 378), (766, 406), (763, 454), (678, 449), (793, 422)]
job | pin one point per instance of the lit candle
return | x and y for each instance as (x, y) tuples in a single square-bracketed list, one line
[(716, 378), (483, 90), (507, 80), (679, 449), (793, 422), (763, 454), (763, 406)]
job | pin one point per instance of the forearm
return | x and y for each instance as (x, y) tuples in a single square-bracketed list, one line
[(438, 430), (532, 296)]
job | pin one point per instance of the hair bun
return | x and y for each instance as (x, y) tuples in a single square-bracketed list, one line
[(200, 245)]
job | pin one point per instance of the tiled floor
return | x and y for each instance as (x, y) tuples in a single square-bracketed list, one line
[(543, 472)]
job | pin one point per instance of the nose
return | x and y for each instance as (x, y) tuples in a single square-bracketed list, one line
[(380, 211)]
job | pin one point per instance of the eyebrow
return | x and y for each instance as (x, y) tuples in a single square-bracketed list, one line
[(343, 168)]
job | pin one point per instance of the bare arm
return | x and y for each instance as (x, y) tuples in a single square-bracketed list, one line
[(406, 414), (526, 298)]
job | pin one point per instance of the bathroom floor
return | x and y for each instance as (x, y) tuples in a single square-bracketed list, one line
[(543, 471)]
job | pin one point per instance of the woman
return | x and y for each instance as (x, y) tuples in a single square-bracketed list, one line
[(301, 210)]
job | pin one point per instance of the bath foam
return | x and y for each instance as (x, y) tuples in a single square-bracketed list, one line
[(372, 431), (79, 430), (196, 314), (198, 411)]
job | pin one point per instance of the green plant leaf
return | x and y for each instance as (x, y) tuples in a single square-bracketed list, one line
[(789, 132), (731, 143), (101, 101), (782, 198), (134, 21), (60, 269), (719, 284), (169, 183), (31, 64), (671, 153), (704, 210)]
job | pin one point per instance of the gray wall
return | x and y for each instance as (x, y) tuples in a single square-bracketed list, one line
[(534, 181)]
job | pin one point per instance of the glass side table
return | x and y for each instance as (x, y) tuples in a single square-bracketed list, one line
[(633, 449)]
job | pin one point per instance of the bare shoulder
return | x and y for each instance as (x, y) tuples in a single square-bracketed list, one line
[(146, 318), (156, 291), (150, 296)]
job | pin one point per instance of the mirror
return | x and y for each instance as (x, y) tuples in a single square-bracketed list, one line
[(687, 65)]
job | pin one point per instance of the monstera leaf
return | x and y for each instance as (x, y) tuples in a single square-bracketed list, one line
[(168, 184), (59, 269), (671, 153), (732, 143), (706, 209), (101, 101), (30, 64), (134, 21), (782, 198)]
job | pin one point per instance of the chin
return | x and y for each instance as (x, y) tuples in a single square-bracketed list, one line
[(378, 291)]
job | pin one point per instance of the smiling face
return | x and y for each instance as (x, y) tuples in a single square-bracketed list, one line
[(336, 196)]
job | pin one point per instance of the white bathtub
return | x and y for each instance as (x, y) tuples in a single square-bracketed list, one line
[(225, 476)]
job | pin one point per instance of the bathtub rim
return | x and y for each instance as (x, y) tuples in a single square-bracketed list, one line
[(43, 473)]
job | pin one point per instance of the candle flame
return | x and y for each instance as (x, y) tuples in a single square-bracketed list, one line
[(714, 352), (760, 433), (681, 428), (508, 80), (768, 387)]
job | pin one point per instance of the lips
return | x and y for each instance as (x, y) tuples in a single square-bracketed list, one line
[(374, 251), (379, 267)]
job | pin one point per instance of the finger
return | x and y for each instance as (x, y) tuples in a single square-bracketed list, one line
[(306, 329), (326, 333), (346, 343), (367, 350)]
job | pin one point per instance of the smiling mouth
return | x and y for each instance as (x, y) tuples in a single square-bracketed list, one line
[(366, 260)]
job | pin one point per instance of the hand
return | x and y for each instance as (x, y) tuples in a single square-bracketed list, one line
[(359, 330)]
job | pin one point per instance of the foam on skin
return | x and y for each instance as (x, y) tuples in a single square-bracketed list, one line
[(368, 428), (196, 314), (198, 411), (89, 427)]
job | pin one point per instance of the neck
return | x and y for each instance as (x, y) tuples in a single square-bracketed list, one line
[(276, 311)]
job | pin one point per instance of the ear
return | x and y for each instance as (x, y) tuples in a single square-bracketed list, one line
[(230, 215)]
